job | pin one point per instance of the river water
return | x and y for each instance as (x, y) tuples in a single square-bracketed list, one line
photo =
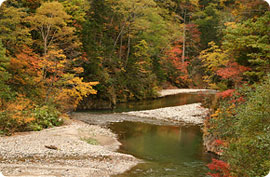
[(167, 150)]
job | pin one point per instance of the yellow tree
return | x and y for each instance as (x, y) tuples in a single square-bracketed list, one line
[(13, 33), (51, 21), (61, 83), (213, 58)]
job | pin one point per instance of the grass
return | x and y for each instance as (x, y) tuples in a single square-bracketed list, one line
[(91, 141)]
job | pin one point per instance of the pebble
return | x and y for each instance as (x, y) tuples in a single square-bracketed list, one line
[(26, 154), (190, 113)]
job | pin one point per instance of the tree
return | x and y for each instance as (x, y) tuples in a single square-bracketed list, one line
[(249, 43), (13, 32), (208, 20), (116, 34), (4, 76), (51, 21), (60, 81), (26, 70), (176, 71)]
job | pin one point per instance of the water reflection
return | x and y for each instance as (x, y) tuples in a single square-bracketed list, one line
[(173, 100), (168, 150)]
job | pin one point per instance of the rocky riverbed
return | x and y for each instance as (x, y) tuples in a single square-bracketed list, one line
[(77, 149), (190, 114), (167, 92)]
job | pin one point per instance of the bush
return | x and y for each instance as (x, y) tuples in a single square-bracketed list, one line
[(24, 115), (45, 117), (243, 123), (249, 151)]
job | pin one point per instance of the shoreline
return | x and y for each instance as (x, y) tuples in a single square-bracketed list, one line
[(79, 149), (168, 92), (187, 114), (63, 151)]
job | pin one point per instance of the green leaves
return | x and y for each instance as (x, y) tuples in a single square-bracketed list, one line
[(245, 129), (4, 75), (249, 43), (13, 33), (51, 22)]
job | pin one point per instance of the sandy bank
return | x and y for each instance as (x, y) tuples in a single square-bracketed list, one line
[(63, 151), (191, 113), (168, 92)]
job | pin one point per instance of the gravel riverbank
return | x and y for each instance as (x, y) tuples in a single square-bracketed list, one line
[(167, 92), (190, 114), (64, 151), (82, 150)]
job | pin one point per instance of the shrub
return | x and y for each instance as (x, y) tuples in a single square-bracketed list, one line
[(23, 115), (243, 123)]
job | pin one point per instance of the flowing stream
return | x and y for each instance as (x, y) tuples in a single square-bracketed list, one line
[(167, 150)]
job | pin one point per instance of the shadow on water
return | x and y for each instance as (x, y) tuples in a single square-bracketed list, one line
[(167, 150), (168, 101)]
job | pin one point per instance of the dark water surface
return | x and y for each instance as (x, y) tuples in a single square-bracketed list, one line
[(168, 101), (167, 150)]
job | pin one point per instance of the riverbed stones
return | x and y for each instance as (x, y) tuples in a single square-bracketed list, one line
[(190, 113), (26, 154), (167, 92)]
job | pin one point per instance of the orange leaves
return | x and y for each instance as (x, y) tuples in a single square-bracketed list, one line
[(25, 68), (53, 77), (54, 62), (19, 110), (73, 90), (78, 70), (61, 84)]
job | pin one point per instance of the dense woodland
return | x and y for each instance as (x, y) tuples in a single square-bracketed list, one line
[(53, 54)]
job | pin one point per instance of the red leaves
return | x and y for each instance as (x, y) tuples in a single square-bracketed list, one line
[(220, 167), (174, 57), (232, 70), (226, 94), (239, 100), (230, 93), (219, 142)]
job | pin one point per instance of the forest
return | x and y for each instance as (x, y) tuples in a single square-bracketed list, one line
[(56, 54)]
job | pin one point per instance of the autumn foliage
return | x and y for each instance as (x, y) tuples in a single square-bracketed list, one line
[(220, 168), (40, 86), (176, 68)]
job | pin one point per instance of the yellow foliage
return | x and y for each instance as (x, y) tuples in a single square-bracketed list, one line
[(216, 114), (213, 58), (231, 24), (78, 70), (73, 90)]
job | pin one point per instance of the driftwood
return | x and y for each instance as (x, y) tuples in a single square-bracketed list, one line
[(51, 147)]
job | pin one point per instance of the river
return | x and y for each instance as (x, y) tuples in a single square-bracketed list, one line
[(166, 149)]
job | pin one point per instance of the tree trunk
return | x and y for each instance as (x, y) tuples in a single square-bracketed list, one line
[(121, 44), (184, 38), (128, 51), (45, 46)]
